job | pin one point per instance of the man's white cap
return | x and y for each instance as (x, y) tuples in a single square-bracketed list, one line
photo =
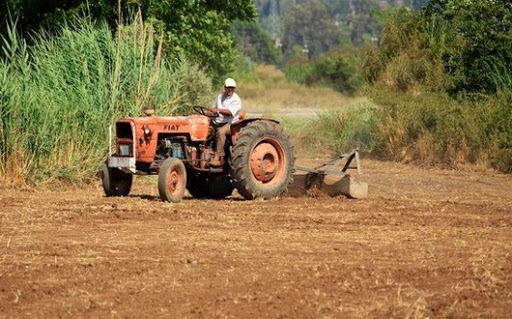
[(230, 83)]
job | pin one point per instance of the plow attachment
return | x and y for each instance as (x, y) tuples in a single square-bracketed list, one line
[(333, 179)]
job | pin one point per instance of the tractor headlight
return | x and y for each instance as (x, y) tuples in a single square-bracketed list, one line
[(124, 150), (147, 131)]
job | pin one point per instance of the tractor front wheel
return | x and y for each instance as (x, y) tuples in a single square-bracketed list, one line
[(172, 180), (116, 182)]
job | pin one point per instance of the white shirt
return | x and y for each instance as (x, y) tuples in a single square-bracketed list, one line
[(231, 103)]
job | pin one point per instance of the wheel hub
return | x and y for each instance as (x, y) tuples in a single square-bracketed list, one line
[(264, 162), (174, 181)]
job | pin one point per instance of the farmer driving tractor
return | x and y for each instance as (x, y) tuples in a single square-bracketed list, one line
[(227, 109), (180, 149)]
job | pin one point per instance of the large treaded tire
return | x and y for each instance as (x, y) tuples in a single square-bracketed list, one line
[(172, 180), (115, 182), (262, 160), (209, 186)]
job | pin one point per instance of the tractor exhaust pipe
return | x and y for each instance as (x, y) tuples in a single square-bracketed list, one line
[(110, 140)]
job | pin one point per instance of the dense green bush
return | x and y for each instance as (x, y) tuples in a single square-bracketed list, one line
[(437, 104), (454, 46), (497, 135), (434, 128), (298, 69), (480, 33), (58, 98), (410, 54), (413, 127), (339, 69)]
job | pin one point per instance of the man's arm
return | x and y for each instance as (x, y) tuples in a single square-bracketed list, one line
[(224, 112), (216, 107), (235, 106)]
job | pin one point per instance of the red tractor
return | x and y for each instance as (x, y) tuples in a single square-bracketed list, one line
[(259, 157)]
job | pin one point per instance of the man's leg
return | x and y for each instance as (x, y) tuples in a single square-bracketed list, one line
[(222, 131)]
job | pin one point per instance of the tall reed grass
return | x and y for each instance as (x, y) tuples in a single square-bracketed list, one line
[(58, 97)]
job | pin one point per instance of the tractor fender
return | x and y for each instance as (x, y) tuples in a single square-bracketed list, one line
[(237, 126)]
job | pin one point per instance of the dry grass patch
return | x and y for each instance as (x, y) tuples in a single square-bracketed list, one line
[(274, 94)]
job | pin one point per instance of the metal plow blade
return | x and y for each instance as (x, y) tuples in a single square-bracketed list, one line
[(333, 179)]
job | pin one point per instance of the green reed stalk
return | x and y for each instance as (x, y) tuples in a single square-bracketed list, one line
[(58, 98)]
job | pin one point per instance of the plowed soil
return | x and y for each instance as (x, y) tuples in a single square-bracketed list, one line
[(425, 243)]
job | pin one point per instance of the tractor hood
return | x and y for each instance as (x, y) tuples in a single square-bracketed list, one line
[(196, 126)]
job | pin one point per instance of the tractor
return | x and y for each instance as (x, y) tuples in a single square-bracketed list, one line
[(259, 157)]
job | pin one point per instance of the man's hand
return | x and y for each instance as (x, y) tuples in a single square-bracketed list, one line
[(224, 112), (213, 111)]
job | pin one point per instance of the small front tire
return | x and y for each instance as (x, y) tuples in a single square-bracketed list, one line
[(172, 180), (116, 182)]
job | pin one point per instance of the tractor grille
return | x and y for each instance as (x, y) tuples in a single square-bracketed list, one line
[(124, 130), (124, 139)]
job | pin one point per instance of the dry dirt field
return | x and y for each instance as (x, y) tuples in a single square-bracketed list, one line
[(426, 243)]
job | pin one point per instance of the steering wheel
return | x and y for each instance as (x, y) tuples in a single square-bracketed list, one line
[(202, 110)]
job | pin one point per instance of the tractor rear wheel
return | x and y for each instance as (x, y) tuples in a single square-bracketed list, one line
[(209, 186), (262, 160), (115, 182), (172, 180)]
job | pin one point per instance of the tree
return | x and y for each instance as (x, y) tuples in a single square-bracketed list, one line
[(462, 47), (198, 28), (310, 25), (362, 21), (33, 15), (480, 53), (418, 4), (201, 29), (255, 42), (270, 14)]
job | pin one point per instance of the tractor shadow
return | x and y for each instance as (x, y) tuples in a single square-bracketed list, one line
[(297, 188), (187, 197)]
